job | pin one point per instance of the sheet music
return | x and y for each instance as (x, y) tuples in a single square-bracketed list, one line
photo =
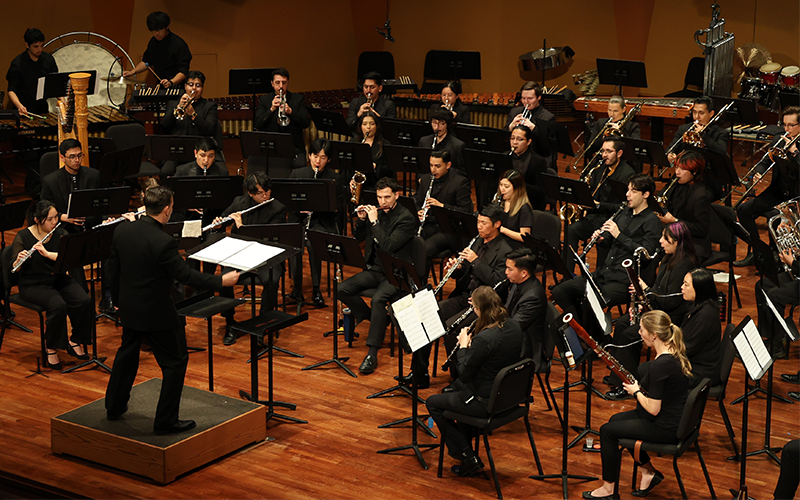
[(252, 256), (597, 309), (192, 229), (408, 318), (429, 313), (748, 357), (751, 348), (779, 317), (760, 350), (220, 250)]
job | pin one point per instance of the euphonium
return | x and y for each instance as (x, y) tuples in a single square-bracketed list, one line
[(358, 179), (787, 233), (180, 111), (283, 118)]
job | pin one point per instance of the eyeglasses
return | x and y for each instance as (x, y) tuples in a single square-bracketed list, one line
[(194, 85), (74, 157), (791, 124)]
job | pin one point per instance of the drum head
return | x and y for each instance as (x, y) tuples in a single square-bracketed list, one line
[(83, 56), (770, 67), (790, 71)]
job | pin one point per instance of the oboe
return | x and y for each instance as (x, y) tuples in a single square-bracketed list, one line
[(453, 268), (425, 206), (30, 252), (227, 219)]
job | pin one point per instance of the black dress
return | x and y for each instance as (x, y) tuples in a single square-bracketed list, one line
[(523, 218)]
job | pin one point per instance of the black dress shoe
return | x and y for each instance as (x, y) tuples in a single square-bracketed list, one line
[(112, 415), (318, 300), (71, 352), (54, 366), (794, 395), (607, 380), (369, 364), (653, 483), (449, 388), (229, 338), (588, 495), (793, 378), (423, 382), (468, 466), (747, 261), (618, 394), (296, 296), (180, 426), (106, 306)]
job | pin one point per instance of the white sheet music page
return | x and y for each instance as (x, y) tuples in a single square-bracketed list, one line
[(192, 229), (748, 357), (760, 350), (220, 250), (407, 316), (779, 317), (252, 256), (429, 313), (597, 309)]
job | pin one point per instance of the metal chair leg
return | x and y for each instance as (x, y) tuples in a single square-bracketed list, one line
[(705, 470), (491, 464)]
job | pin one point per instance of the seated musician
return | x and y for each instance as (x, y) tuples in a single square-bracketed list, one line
[(660, 394), (514, 201), (613, 167), (785, 183), (319, 153), (294, 107), (444, 134), (258, 187), (58, 294), (635, 226), (200, 117), (452, 103), (530, 164), (785, 293), (526, 302), (370, 131), (702, 328), (371, 100), (496, 344), (204, 164), (665, 295), (689, 202), (616, 112), (482, 263), (389, 227), (167, 54), (450, 190), (714, 137), (527, 114)]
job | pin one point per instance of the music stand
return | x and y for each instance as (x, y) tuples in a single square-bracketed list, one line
[(117, 165), (266, 144), (330, 122), (341, 251), (96, 203), (567, 191), (541, 246), (407, 159), (647, 152), (619, 73), (175, 229), (250, 81), (483, 138), (349, 157), (462, 225), (566, 340), (12, 216), (718, 165), (55, 84), (452, 65), (486, 167), (405, 132), (178, 148), (204, 192), (788, 98), (98, 147), (75, 251)]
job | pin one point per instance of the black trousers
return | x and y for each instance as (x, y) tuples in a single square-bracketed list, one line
[(457, 435), (750, 210), (269, 294), (297, 269), (634, 424), (349, 291), (582, 231), (571, 293), (169, 348), (788, 293), (65, 299), (786, 488)]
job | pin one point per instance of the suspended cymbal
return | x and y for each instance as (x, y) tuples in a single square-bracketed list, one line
[(122, 80)]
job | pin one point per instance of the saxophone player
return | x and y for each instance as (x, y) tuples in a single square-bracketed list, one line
[(290, 106)]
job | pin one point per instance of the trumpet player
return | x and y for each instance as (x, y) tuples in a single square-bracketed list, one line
[(785, 183), (280, 103), (444, 138), (714, 137), (319, 155), (613, 167), (371, 100), (688, 201), (530, 110), (452, 103)]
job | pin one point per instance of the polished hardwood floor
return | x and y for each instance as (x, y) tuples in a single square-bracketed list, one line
[(334, 455)]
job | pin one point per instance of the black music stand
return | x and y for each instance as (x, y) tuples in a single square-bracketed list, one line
[(646, 153), (266, 144), (411, 206), (78, 250), (566, 340), (566, 191), (485, 168), (175, 229), (55, 84), (117, 165), (178, 148), (349, 157), (619, 73), (405, 132), (341, 251), (204, 192), (99, 147), (719, 168), (483, 138), (330, 122), (250, 81), (12, 216), (452, 65), (408, 160), (99, 202), (549, 254)]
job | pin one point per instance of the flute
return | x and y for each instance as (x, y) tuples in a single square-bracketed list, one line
[(30, 252), (227, 219), (136, 214)]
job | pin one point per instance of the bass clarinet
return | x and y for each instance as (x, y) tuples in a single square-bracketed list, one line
[(453, 268)]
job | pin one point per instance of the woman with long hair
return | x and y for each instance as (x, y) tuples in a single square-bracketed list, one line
[(57, 293), (702, 328), (452, 103), (370, 131), (496, 344), (660, 398), (665, 295), (514, 200)]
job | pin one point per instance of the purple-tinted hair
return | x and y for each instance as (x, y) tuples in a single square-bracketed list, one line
[(679, 232)]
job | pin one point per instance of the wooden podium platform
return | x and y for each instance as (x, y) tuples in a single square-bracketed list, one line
[(224, 425)]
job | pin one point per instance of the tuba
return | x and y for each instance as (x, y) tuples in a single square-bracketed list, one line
[(787, 232)]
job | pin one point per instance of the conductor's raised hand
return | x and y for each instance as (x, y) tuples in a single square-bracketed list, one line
[(230, 278)]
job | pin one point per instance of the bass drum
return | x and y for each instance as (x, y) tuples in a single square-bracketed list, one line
[(91, 54)]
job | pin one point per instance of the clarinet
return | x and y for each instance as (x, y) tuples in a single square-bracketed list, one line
[(30, 252), (227, 219), (453, 268), (594, 239), (426, 207), (435, 140), (310, 214)]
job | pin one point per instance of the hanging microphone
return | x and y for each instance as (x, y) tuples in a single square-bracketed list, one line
[(388, 33)]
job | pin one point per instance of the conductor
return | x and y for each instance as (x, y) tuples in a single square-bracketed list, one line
[(143, 264)]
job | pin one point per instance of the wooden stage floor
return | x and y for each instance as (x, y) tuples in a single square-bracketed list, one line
[(334, 455)]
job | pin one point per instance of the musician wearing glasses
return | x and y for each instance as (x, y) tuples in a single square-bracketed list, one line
[(688, 201), (784, 293), (785, 183), (389, 227), (613, 167), (714, 137), (452, 103), (443, 187), (319, 154), (167, 54), (665, 295), (285, 112), (258, 188), (371, 100), (58, 185), (444, 139), (370, 131), (635, 226), (59, 294), (530, 164)]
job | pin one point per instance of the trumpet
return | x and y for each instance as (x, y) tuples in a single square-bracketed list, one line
[(453, 268), (358, 179), (425, 204), (369, 99), (526, 114), (30, 252), (283, 118), (180, 111), (446, 105)]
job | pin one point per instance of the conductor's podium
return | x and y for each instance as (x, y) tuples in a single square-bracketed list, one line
[(224, 425)]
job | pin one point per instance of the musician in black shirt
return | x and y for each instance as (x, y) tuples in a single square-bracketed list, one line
[(616, 112), (452, 103), (271, 111), (204, 164), (526, 302), (527, 114), (371, 100), (370, 131), (167, 53), (714, 137), (443, 138), (530, 164), (514, 201), (784, 293), (702, 328)]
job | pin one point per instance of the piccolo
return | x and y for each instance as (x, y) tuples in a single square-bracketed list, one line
[(227, 219), (30, 252), (604, 355), (136, 214)]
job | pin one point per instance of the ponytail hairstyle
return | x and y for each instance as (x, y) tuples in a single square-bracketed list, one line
[(520, 195), (493, 312), (658, 323), (37, 212)]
